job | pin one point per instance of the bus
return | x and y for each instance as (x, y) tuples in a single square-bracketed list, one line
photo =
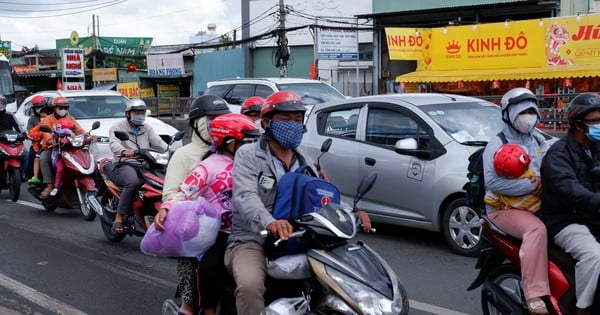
[(7, 87)]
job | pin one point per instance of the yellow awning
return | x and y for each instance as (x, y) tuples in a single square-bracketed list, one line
[(548, 72)]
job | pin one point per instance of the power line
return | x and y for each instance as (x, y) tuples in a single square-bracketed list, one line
[(111, 3), (63, 3), (57, 9)]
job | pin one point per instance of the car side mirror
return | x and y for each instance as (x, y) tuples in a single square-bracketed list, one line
[(408, 146)]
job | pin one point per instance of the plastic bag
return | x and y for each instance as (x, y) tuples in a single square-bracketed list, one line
[(191, 228), (289, 267), (287, 306)]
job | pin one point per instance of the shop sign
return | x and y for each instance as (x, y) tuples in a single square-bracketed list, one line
[(168, 65), (407, 43), (73, 86), (337, 44), (72, 61), (21, 69), (573, 40), (5, 49), (120, 51), (104, 74), (129, 89)]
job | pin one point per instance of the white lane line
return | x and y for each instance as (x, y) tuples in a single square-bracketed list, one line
[(432, 308), (29, 204), (38, 298)]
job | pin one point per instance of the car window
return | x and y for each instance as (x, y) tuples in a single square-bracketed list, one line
[(386, 126), (98, 106), (218, 90), (342, 122), (239, 93), (313, 93), (263, 91)]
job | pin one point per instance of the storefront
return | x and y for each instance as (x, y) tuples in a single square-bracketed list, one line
[(554, 57)]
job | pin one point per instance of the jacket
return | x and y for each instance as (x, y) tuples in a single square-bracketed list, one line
[(255, 179), (144, 136), (571, 190), (51, 121), (184, 159)]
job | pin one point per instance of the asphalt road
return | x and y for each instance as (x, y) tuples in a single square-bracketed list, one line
[(56, 263)]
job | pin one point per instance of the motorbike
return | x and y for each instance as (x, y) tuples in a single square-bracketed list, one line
[(339, 276), (500, 276), (11, 155), (149, 198), (78, 179)]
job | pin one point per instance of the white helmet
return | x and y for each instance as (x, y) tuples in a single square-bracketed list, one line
[(135, 104), (515, 96)]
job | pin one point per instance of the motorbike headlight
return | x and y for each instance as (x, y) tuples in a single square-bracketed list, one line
[(160, 158), (77, 141), (368, 300), (11, 138)]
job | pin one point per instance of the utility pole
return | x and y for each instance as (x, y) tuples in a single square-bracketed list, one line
[(282, 54), (94, 41)]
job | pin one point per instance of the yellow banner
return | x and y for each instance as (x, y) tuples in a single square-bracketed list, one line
[(406, 43), (572, 40), (129, 89), (104, 74), (512, 44)]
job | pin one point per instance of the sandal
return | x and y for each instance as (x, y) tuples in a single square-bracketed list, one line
[(44, 194), (536, 306), (117, 227)]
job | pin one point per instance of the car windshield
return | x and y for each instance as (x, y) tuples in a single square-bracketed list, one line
[(97, 106), (467, 123), (312, 93)]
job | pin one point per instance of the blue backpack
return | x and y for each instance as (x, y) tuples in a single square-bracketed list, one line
[(298, 193)]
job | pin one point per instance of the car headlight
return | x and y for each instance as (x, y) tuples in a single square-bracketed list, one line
[(100, 139), (160, 158), (369, 301)]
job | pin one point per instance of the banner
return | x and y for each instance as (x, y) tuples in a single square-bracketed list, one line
[(572, 40), (406, 43), (73, 86), (168, 65), (337, 44), (104, 74), (72, 61), (129, 89)]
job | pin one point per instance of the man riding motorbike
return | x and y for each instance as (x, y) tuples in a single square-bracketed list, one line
[(126, 164)]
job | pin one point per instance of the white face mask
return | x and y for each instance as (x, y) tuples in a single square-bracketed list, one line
[(138, 119), (62, 112), (525, 122)]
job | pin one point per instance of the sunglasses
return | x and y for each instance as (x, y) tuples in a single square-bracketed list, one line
[(63, 106)]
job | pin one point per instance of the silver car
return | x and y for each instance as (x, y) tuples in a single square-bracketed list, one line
[(421, 186)]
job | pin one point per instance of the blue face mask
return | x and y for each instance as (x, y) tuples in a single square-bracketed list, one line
[(594, 133), (208, 124), (287, 134)]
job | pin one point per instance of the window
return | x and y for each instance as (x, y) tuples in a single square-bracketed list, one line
[(239, 94), (263, 91), (218, 90), (385, 126), (342, 122)]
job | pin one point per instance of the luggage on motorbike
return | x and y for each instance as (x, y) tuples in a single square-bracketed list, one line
[(298, 193), (289, 267), (287, 306), (475, 187), (190, 230)]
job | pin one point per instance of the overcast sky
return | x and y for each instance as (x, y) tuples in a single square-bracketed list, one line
[(40, 22)]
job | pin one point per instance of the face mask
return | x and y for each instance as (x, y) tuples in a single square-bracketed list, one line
[(594, 133), (287, 134), (525, 122), (138, 119), (62, 112), (208, 121)]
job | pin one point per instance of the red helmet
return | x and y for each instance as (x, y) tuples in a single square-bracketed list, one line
[(65, 123), (282, 101), (38, 101), (236, 126), (511, 161), (252, 104)]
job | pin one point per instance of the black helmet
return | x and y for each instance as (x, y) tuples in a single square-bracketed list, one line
[(208, 105), (581, 105)]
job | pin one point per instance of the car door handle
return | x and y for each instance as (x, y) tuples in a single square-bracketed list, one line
[(370, 161)]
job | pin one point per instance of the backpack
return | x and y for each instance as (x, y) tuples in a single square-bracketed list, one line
[(475, 187), (298, 193)]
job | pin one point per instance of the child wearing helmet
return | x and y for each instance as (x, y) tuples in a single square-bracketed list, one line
[(64, 128), (252, 106), (40, 109), (511, 161), (211, 180)]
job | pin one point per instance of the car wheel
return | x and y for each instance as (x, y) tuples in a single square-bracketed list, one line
[(461, 228)]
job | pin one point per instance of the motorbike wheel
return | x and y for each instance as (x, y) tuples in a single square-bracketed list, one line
[(14, 183), (49, 206), (170, 307), (508, 278), (84, 207), (461, 228), (109, 204)]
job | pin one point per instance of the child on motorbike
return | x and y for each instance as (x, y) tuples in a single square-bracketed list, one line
[(38, 103), (37, 144), (210, 179), (511, 161), (64, 127)]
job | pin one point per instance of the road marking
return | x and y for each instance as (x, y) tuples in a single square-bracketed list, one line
[(38, 298), (432, 308), (29, 204)]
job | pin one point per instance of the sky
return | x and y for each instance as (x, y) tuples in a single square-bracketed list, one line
[(41, 22)]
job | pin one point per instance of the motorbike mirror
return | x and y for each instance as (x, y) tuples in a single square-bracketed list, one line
[(123, 136), (178, 136), (95, 125), (166, 138), (45, 128), (326, 145), (365, 184)]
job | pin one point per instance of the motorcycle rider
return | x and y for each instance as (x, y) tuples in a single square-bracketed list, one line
[(210, 179), (126, 164), (7, 120), (252, 106), (571, 196), (520, 115), (203, 109), (31, 164), (61, 110), (257, 169)]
